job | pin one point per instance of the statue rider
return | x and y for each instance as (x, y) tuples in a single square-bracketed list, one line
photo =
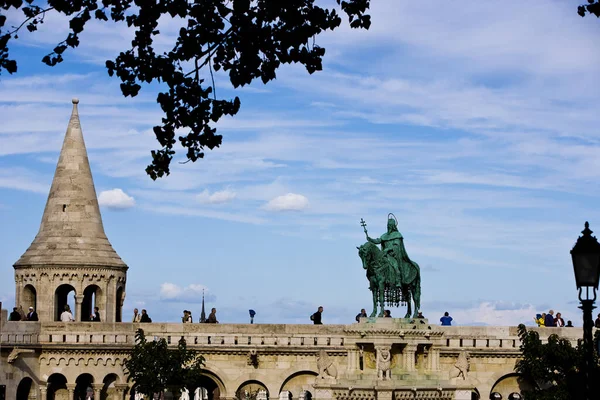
[(390, 245)]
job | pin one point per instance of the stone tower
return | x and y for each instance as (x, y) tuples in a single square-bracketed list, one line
[(71, 254)]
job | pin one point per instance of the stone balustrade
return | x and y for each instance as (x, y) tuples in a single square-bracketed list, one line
[(264, 335)]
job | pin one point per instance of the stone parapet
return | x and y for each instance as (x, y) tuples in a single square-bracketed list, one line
[(266, 335)]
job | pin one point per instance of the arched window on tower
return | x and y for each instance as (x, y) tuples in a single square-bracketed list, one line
[(64, 295), (119, 305), (29, 297), (92, 297)]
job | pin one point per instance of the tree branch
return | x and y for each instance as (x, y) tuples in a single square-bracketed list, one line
[(212, 78), (211, 52), (29, 19)]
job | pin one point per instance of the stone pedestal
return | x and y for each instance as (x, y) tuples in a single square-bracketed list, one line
[(384, 394), (394, 321), (323, 394)]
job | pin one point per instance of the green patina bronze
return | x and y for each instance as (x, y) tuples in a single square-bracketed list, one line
[(393, 277)]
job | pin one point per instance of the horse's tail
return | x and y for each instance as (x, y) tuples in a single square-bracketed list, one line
[(418, 284), (417, 291)]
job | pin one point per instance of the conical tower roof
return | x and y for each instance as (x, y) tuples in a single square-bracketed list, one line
[(71, 232)]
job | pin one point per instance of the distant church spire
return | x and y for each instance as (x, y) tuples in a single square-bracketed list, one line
[(202, 313), (71, 232)]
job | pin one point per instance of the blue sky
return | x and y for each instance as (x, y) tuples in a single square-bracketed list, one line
[(474, 123)]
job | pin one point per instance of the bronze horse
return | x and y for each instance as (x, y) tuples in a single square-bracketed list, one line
[(389, 285)]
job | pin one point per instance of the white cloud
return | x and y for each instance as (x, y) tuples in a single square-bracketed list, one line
[(23, 179), (219, 197), (496, 314), (190, 293), (288, 202), (188, 211), (116, 199)]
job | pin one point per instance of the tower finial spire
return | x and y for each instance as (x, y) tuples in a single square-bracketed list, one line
[(71, 232)]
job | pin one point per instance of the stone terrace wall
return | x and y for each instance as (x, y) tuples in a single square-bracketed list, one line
[(423, 356), (54, 333)]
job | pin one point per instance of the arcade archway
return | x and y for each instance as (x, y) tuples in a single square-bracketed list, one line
[(208, 388), (252, 390), (57, 387), (108, 391), (299, 385), (511, 383), (84, 387), (25, 390)]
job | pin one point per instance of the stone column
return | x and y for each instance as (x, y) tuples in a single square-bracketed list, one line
[(433, 359), (353, 356), (110, 300), (78, 302), (18, 290), (97, 389), (43, 392), (71, 390), (34, 393), (121, 389), (409, 357), (45, 301)]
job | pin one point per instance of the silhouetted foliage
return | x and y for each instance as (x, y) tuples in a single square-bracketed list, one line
[(154, 367), (593, 7), (554, 367), (247, 39)]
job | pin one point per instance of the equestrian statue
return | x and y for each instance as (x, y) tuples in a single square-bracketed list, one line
[(394, 278)]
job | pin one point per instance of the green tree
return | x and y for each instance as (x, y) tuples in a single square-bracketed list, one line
[(247, 39), (154, 367), (556, 368)]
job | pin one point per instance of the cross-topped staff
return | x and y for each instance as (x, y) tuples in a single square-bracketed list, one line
[(364, 225)]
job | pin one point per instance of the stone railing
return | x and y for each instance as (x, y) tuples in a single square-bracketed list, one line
[(265, 335)]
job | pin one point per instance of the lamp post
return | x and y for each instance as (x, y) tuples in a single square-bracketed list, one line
[(586, 264)]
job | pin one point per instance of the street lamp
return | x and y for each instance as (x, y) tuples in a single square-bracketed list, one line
[(586, 264)]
